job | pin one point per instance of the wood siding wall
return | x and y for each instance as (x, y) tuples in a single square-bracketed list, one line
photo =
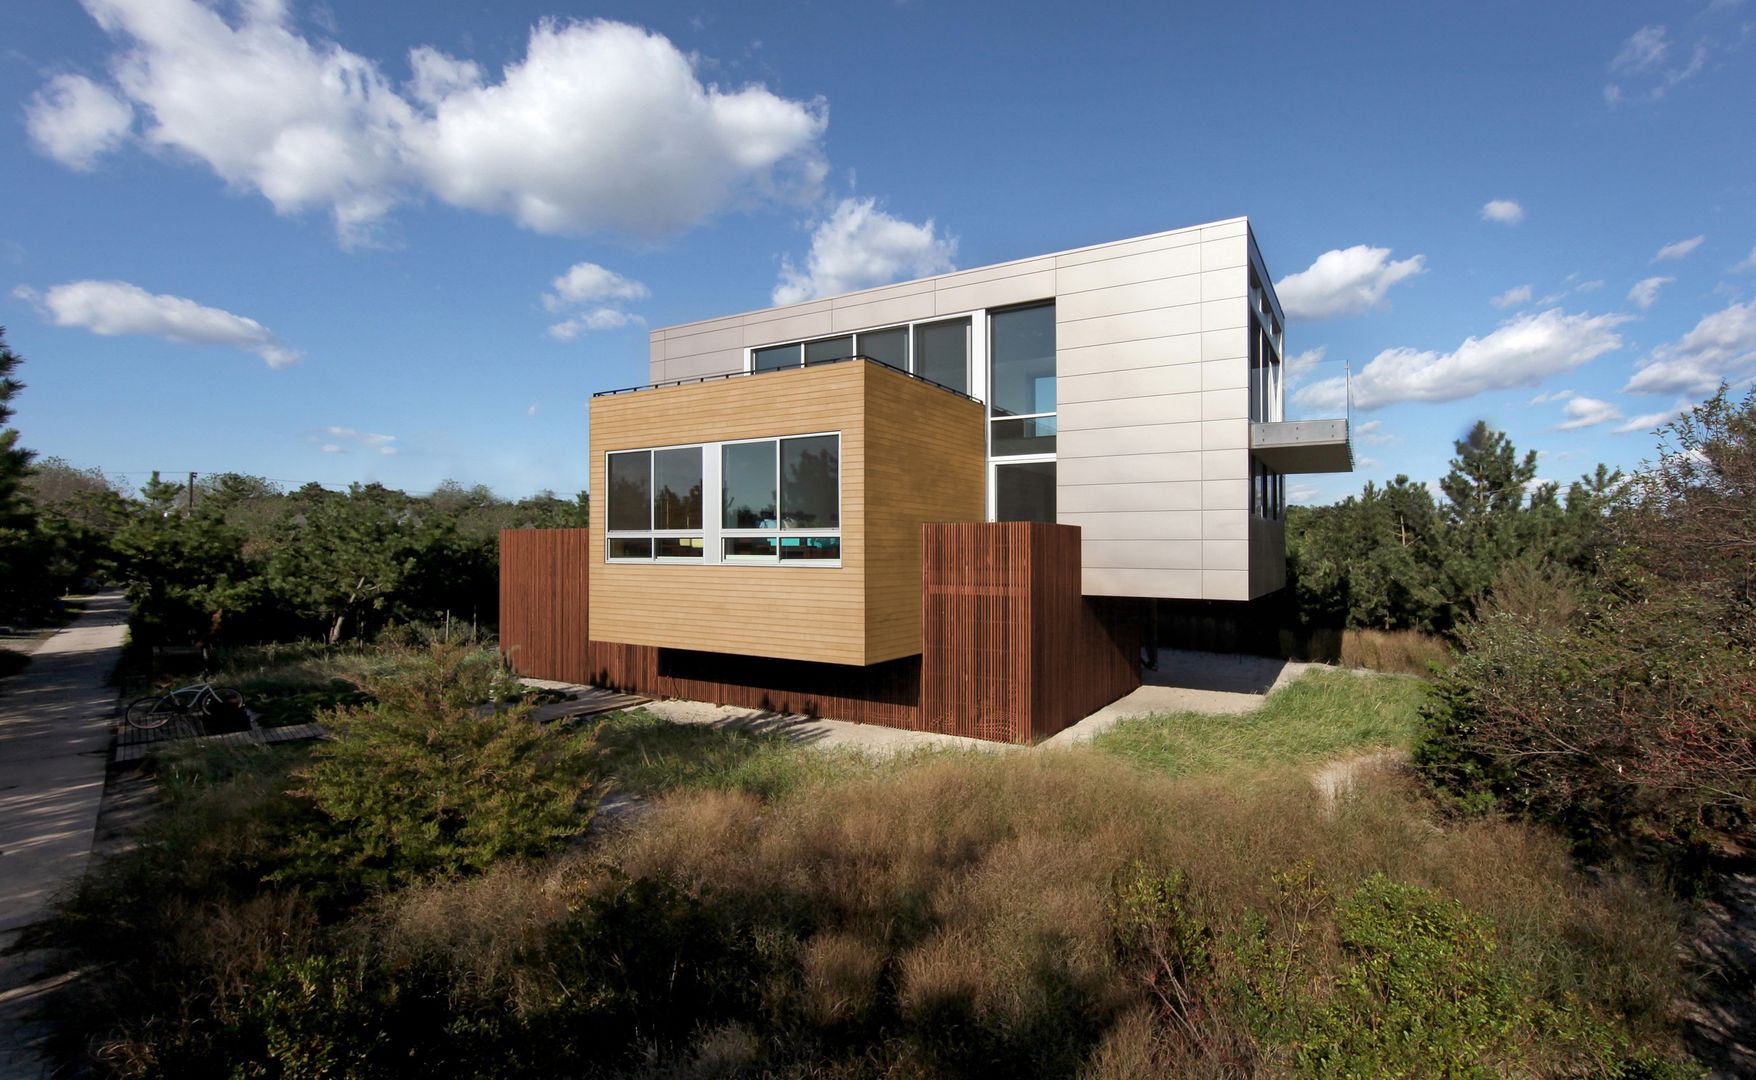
[(928, 467), (1011, 650)]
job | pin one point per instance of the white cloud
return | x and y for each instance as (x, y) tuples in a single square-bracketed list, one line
[(1679, 249), (1588, 286), (858, 246), (1651, 421), (1301, 364), (584, 282), (599, 126), (602, 318), (1644, 49), (1584, 412), (1372, 433), (1512, 297), (1522, 352), (1748, 264), (1695, 364), (1553, 395), (1344, 282), (362, 440), (532, 411), (115, 308), (1505, 211), (1645, 291), (76, 121), (590, 285)]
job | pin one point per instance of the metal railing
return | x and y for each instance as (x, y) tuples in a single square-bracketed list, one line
[(792, 367)]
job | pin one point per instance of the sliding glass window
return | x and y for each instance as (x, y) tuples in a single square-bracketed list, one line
[(779, 500)]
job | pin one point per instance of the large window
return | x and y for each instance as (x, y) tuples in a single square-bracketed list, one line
[(1267, 401), (779, 502), (1021, 387), (938, 351), (655, 504)]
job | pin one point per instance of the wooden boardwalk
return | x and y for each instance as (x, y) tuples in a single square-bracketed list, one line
[(132, 743)]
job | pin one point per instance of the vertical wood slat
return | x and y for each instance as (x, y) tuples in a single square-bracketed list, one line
[(1011, 650)]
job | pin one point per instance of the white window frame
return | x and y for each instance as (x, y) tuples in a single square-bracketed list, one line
[(713, 532)]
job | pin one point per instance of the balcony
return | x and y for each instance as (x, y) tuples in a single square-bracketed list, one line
[(1303, 446)]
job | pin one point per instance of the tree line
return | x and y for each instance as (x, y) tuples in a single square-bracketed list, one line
[(235, 558), (1397, 558)]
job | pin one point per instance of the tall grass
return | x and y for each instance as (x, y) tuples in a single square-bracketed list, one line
[(1322, 716), (959, 918)]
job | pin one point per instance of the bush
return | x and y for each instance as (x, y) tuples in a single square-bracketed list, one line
[(1626, 704), (429, 781)]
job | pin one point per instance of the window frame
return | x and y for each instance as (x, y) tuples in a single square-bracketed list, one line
[(974, 360), (714, 533)]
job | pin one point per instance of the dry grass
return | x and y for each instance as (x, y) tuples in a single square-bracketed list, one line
[(1394, 652), (972, 894)]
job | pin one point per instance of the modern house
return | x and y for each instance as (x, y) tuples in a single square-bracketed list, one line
[(795, 512)]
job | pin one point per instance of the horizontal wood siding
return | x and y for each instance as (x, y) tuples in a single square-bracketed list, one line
[(796, 612), (926, 461)]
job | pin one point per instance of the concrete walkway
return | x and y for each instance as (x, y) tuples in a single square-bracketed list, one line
[(1185, 681), (55, 719)]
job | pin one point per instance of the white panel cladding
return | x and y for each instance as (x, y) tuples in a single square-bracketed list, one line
[(1152, 381), (1153, 399)]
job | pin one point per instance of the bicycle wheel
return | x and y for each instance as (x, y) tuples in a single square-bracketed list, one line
[(225, 702), (152, 712)]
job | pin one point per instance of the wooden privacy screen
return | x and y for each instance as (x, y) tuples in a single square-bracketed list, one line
[(1012, 651)]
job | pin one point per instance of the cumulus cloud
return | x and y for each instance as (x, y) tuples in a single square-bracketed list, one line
[(1504, 211), (1512, 297), (1584, 412), (1694, 365), (588, 285), (1344, 282), (115, 308), (1679, 249), (354, 440), (1523, 352), (599, 126), (1300, 365), (584, 282), (76, 121), (858, 246), (1645, 291)]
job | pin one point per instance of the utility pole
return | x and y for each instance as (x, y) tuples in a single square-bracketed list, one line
[(191, 493)]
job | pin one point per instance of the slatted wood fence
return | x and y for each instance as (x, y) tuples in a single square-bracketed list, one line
[(1012, 651)]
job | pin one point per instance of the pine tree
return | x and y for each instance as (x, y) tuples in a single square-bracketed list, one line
[(19, 547)]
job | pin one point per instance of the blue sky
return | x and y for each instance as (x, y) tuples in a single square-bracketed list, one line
[(405, 242)]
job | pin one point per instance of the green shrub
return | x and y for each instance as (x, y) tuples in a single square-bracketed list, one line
[(429, 782)]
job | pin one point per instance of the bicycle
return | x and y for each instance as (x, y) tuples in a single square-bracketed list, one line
[(198, 699)]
